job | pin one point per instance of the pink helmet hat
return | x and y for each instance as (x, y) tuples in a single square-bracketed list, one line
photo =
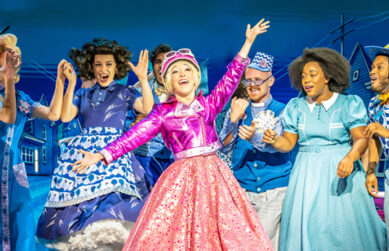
[(173, 56)]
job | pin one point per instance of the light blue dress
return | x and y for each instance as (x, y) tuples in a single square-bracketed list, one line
[(17, 225), (322, 211)]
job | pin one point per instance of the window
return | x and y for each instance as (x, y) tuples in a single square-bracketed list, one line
[(30, 127), (44, 132), (27, 154), (44, 152), (355, 75)]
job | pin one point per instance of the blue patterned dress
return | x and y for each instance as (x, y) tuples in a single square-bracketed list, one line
[(117, 191), (322, 211), (17, 224)]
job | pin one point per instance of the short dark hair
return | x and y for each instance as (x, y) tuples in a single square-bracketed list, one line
[(84, 58), (336, 68), (161, 48)]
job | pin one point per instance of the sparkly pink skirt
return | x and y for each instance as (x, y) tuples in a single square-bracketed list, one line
[(197, 204)]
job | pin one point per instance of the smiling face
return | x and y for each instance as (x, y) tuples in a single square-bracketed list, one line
[(379, 74), (183, 79), (259, 93), (157, 67), (104, 69), (313, 80)]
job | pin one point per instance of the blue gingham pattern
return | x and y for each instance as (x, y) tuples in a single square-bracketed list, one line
[(262, 62), (380, 113)]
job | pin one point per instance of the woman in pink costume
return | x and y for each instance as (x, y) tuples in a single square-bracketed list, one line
[(196, 204)]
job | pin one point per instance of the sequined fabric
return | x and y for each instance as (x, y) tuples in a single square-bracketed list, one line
[(197, 204), (182, 126)]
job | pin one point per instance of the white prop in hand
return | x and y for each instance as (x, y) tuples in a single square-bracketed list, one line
[(264, 120)]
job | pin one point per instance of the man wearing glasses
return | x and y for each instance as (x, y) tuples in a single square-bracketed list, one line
[(260, 169)]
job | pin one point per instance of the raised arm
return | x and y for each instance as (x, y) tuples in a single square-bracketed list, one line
[(139, 134), (69, 111), (227, 85), (7, 77), (230, 124), (53, 112), (144, 104), (251, 35)]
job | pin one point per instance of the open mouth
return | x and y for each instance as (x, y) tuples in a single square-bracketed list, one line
[(373, 79), (104, 77), (254, 90), (308, 88), (183, 82)]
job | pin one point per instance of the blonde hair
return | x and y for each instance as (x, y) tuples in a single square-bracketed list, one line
[(10, 40), (167, 79)]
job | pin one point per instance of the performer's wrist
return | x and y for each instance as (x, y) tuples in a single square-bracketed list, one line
[(371, 168)]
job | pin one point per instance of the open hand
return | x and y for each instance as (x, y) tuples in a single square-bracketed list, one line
[(89, 159), (60, 68), (11, 64), (259, 28), (140, 69)]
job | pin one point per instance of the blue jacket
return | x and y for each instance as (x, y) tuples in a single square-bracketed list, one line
[(260, 168)]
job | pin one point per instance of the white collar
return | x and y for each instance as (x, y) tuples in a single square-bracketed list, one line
[(326, 104), (257, 104)]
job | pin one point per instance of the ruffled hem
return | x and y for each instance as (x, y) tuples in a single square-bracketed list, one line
[(72, 202), (57, 222)]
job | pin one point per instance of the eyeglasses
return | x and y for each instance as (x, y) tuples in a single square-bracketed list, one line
[(250, 82), (180, 51)]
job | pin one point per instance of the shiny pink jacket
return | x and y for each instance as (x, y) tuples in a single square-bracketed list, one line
[(187, 130)]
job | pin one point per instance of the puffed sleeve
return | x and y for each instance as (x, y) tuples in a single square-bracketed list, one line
[(354, 112), (290, 116), (26, 104), (131, 95)]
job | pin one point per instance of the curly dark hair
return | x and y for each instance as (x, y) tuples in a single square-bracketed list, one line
[(336, 68), (161, 48), (241, 91), (84, 58)]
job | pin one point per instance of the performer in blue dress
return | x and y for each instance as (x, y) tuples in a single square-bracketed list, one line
[(17, 225), (97, 209), (326, 206)]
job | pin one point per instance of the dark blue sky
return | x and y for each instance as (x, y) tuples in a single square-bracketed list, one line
[(214, 30)]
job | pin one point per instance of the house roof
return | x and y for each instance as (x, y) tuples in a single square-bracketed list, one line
[(359, 48), (32, 138)]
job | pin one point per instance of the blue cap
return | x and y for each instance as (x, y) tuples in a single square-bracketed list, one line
[(373, 51), (262, 62)]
